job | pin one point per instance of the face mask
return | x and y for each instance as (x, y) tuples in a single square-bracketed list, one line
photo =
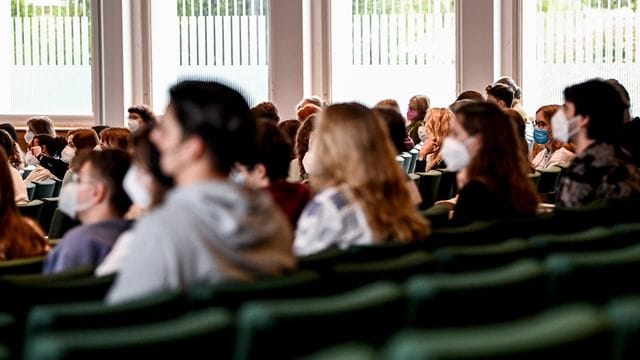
[(540, 136), (238, 177), (68, 202), (308, 161), (562, 128), (30, 159), (97, 148), (455, 153), (135, 188), (133, 125), (67, 154), (412, 114), (28, 136), (422, 133)]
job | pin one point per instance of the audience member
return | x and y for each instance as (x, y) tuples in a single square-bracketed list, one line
[(39, 125), (416, 111), (19, 187), (548, 151), (592, 118), (115, 138), (139, 115), (79, 140), (520, 124), (357, 203), (45, 151), (290, 129), (20, 237), (470, 95), (16, 157), (208, 230), (482, 142), (299, 167), (631, 127), (517, 94), (304, 112), (97, 199), (438, 126), (389, 104), (266, 110), (314, 100), (501, 95)]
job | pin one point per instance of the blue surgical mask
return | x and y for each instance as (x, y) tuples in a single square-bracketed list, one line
[(540, 136)]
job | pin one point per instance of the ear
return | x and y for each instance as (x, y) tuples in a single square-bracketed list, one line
[(260, 170), (583, 121), (100, 192), (502, 104), (194, 148)]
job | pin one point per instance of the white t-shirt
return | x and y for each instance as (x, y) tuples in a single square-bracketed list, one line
[(545, 159)]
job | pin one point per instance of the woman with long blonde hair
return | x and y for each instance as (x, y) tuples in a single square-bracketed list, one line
[(438, 126), (361, 197)]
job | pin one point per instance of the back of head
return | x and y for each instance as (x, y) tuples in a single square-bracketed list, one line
[(602, 103), (395, 126), (290, 128), (109, 166), (470, 95), (438, 123), (115, 138), (501, 92), (266, 110), (314, 100), (307, 110), (624, 95), (84, 139), (508, 80), (354, 150), (218, 115), (11, 130), (144, 111), (274, 150), (388, 103), (6, 143), (51, 145), (7, 195), (41, 125), (98, 129)]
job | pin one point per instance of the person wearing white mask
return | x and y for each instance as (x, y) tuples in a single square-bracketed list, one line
[(139, 115), (146, 186), (46, 150), (591, 118), (547, 150), (97, 199), (484, 146)]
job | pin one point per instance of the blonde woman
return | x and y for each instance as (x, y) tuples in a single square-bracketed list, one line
[(438, 126), (361, 197)]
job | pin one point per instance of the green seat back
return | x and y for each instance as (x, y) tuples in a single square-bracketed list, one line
[(624, 319), (32, 209), (44, 189), (60, 223), (49, 206), (31, 188), (535, 178), (280, 329), (479, 257), (414, 158), (428, 187), (594, 276), (349, 351), (97, 314), (56, 188), (397, 268), (594, 239), (448, 185), (233, 294), (322, 261), (575, 332), (204, 332), (501, 294), (549, 179), (32, 265)]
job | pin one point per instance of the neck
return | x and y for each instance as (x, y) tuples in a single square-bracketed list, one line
[(99, 213), (197, 174), (582, 142)]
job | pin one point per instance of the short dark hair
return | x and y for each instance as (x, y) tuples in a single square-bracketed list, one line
[(501, 92), (144, 111), (266, 110), (470, 95), (11, 130), (111, 165), (602, 103), (274, 150), (395, 126), (290, 128), (54, 145), (220, 116), (6, 143)]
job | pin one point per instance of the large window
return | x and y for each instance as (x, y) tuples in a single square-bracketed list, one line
[(225, 40), (568, 41), (46, 60), (393, 49)]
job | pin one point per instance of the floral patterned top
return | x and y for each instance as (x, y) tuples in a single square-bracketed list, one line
[(603, 171)]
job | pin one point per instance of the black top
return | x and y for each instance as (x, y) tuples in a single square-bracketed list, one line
[(477, 203), (630, 139), (57, 167)]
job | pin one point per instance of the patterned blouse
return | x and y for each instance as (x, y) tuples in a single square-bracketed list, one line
[(331, 219), (603, 171)]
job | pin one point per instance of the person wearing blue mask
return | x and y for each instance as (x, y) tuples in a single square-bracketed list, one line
[(548, 151)]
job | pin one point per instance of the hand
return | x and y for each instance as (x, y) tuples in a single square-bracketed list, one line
[(36, 150)]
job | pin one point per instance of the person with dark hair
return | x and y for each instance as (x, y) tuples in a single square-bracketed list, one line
[(631, 126), (97, 199), (139, 115), (591, 118), (146, 186), (470, 95), (115, 138), (11, 130), (20, 237), (19, 187), (407, 142), (16, 157), (484, 144), (266, 110), (388, 104), (501, 95), (208, 230), (270, 169), (416, 111), (46, 150), (520, 123), (290, 129), (78, 140), (98, 129), (39, 125), (517, 93)]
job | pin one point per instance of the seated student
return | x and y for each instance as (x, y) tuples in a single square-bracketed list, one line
[(269, 171), (548, 151), (438, 126), (98, 200), (208, 229), (39, 125), (45, 150), (592, 118), (361, 195), (470, 95), (146, 186), (392, 104), (298, 167), (496, 184), (501, 95), (79, 140), (266, 110), (631, 126), (416, 111), (20, 237), (19, 187), (520, 124), (516, 104), (290, 129), (115, 138), (16, 158), (139, 115)]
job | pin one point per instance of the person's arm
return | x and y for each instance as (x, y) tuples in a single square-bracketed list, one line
[(57, 167)]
